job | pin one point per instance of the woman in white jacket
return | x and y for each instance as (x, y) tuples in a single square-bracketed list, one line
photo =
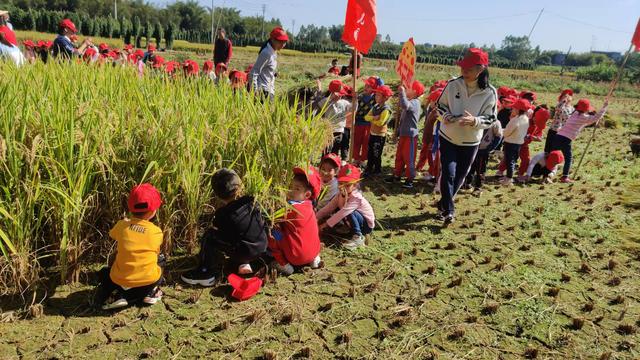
[(468, 105)]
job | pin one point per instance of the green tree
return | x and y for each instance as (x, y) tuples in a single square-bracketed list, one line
[(169, 35), (136, 30), (516, 48), (158, 33), (148, 32)]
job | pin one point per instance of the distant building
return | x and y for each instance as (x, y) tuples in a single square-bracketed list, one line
[(613, 55), (558, 59)]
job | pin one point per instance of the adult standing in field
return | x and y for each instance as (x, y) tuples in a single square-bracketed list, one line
[(222, 50), (8, 41), (469, 105), (262, 78), (62, 45)]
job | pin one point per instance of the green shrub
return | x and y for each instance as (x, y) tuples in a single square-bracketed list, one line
[(599, 72)]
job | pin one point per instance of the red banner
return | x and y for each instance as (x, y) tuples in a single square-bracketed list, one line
[(636, 37), (360, 24), (406, 66)]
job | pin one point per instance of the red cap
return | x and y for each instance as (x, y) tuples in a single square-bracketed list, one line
[(170, 67), (28, 44), (508, 101), (522, 105), (128, 47), (68, 24), (89, 53), (335, 159), (529, 95), (541, 116), (372, 81), (241, 76), (417, 87), (103, 47), (384, 90), (207, 66), (151, 47), (191, 67), (349, 174), (554, 158), (565, 92), (144, 198), (139, 54), (112, 54), (335, 86), (313, 178), (348, 91), (473, 57), (583, 105), (158, 61), (504, 91), (279, 34), (220, 67), (434, 95), (244, 289), (440, 84)]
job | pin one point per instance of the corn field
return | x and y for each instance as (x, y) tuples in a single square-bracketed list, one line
[(74, 139)]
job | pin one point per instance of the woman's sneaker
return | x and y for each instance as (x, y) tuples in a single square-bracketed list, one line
[(245, 269), (356, 241), (315, 263), (199, 276), (153, 297), (115, 301)]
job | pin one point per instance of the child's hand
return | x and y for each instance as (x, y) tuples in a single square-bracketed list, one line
[(401, 88), (343, 191)]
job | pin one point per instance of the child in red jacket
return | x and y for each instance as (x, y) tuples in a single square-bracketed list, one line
[(295, 241)]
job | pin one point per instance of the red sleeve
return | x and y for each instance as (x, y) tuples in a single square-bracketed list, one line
[(230, 52)]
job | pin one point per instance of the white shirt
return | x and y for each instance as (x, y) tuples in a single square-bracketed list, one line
[(516, 130), (540, 159), (336, 112), (263, 73)]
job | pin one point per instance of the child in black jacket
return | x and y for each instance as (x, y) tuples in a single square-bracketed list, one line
[(238, 232)]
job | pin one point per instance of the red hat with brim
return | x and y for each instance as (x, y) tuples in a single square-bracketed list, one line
[(238, 75), (503, 91), (508, 101), (158, 62), (384, 90), (522, 105), (554, 158), (333, 158), (335, 86), (28, 44), (279, 34), (473, 57), (69, 25), (565, 92), (372, 81), (207, 66), (434, 95), (583, 105), (144, 198), (529, 95), (128, 47), (151, 47), (103, 47), (244, 289), (313, 178), (349, 174)]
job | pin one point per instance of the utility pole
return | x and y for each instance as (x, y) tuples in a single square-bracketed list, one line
[(564, 61), (264, 9), (293, 27), (535, 23), (115, 9)]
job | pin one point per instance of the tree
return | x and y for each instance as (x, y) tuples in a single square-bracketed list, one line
[(335, 33), (387, 39), (169, 35), (158, 33), (189, 15), (148, 32), (136, 30), (516, 48)]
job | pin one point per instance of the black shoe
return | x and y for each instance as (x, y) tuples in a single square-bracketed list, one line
[(440, 215), (115, 301), (392, 179), (448, 219), (408, 184), (199, 276)]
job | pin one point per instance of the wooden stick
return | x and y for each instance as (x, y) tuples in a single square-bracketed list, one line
[(354, 104), (614, 83)]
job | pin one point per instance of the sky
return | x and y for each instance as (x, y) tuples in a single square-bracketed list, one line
[(584, 25)]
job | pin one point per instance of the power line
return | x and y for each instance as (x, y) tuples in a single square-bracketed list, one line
[(588, 24), (464, 19)]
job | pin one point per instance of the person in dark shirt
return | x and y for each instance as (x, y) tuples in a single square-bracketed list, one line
[(62, 45), (238, 231), (222, 49)]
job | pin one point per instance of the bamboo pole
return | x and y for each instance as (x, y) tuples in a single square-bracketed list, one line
[(354, 104), (614, 83)]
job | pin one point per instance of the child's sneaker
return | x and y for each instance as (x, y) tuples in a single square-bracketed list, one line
[(408, 184), (505, 181), (316, 262), (199, 276), (565, 180), (153, 297), (115, 301), (286, 269), (245, 269), (356, 241), (428, 177), (547, 180), (392, 179)]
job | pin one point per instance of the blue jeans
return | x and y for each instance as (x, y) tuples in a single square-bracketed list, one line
[(511, 153), (563, 144), (359, 223), (456, 162)]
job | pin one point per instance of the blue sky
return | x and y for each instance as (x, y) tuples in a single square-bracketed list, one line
[(602, 25)]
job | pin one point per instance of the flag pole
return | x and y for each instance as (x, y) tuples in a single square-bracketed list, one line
[(354, 104), (614, 83)]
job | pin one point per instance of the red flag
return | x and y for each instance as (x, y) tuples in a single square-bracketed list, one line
[(360, 24), (636, 37)]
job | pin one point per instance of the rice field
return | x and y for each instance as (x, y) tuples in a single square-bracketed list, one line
[(536, 271)]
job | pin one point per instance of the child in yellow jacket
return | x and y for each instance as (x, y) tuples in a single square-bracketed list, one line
[(378, 116)]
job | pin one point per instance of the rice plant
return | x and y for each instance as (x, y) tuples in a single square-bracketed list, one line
[(74, 138)]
